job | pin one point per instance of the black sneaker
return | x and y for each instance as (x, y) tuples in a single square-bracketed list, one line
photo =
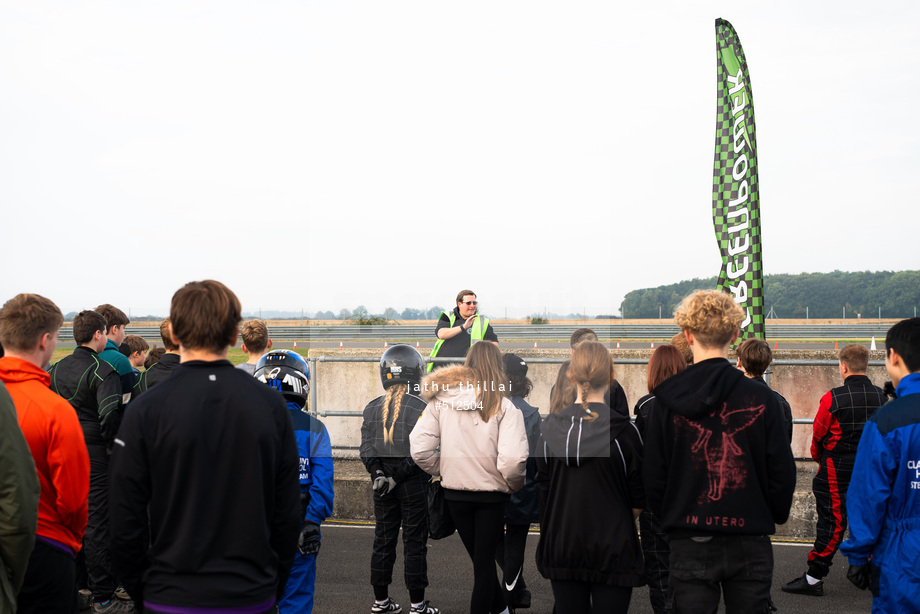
[(391, 607), (424, 608), (800, 586), (523, 600), (85, 598)]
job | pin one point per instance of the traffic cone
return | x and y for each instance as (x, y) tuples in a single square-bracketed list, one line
[(775, 345), (618, 345), (872, 347), (385, 346), (653, 345), (535, 344), (295, 345), (835, 345), (341, 345), (417, 346)]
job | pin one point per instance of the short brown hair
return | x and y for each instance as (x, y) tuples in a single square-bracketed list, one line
[(255, 335), (666, 361), (85, 325), (463, 293), (680, 342), (755, 356), (711, 315), (166, 337), (205, 315), (113, 316), (137, 344), (25, 318), (580, 335), (855, 357), (153, 357)]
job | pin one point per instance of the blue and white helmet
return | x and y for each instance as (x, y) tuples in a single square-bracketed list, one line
[(287, 372)]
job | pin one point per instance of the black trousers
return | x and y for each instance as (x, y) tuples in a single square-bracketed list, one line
[(656, 549), (830, 489), (480, 526), (703, 569), (96, 544), (406, 505), (51, 582), (510, 557), (574, 597)]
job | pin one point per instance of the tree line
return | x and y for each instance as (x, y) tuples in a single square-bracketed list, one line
[(824, 295)]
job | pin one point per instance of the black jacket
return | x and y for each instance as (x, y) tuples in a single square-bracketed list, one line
[(784, 405), (642, 411), (393, 459), (590, 478), (614, 398), (523, 507), (211, 454), (93, 387), (156, 373), (717, 459)]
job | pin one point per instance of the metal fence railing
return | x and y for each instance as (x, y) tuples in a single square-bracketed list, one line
[(532, 331)]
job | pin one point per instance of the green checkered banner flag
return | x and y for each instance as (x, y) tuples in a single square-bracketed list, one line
[(735, 199)]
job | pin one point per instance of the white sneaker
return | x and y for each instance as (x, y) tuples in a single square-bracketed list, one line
[(424, 608), (391, 607)]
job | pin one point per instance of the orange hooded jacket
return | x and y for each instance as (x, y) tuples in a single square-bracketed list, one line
[(54, 435)]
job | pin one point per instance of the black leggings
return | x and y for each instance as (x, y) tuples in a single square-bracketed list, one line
[(480, 526), (580, 597)]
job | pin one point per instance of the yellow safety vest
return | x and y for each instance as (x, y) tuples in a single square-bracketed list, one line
[(477, 330)]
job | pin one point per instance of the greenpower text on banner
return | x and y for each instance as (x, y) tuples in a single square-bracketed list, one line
[(735, 197)]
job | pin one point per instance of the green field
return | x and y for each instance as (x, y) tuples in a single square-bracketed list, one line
[(236, 355)]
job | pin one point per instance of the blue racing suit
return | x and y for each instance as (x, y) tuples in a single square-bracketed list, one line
[(316, 494), (883, 502)]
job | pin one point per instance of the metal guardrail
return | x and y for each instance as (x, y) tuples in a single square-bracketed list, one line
[(533, 331)]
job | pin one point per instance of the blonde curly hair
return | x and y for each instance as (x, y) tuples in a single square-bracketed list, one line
[(711, 315)]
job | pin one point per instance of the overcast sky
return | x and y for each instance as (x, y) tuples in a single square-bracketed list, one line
[(548, 155)]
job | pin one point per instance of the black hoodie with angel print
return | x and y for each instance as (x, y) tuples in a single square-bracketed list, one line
[(717, 460)]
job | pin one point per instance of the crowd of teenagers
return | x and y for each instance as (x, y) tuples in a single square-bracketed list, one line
[(194, 486)]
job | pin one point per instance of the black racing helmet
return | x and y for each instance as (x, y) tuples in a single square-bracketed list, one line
[(402, 364), (287, 372)]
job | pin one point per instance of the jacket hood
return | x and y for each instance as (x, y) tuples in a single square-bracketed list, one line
[(446, 381), (16, 370), (698, 389), (571, 435)]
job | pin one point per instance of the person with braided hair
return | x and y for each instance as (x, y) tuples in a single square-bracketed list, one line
[(400, 486), (589, 472)]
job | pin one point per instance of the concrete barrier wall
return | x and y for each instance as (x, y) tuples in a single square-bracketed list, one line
[(350, 386)]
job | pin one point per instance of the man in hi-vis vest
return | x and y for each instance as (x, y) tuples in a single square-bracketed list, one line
[(461, 328)]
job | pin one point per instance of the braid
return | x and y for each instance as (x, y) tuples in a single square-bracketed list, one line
[(386, 410), (585, 389), (396, 399)]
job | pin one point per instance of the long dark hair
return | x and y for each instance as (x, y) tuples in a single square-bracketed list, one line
[(563, 392)]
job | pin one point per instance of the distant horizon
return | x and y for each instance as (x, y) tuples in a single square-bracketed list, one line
[(295, 314)]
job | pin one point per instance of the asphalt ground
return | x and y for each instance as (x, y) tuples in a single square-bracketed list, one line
[(343, 578)]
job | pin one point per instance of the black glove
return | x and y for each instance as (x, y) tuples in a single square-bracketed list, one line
[(308, 542), (381, 483), (859, 575)]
